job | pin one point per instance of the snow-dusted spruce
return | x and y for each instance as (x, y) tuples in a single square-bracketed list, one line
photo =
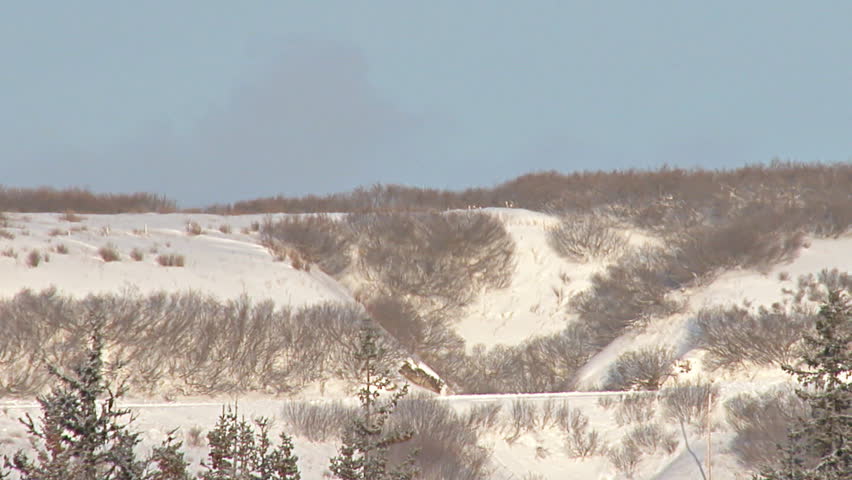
[(820, 445), (364, 453), (77, 438), (237, 452)]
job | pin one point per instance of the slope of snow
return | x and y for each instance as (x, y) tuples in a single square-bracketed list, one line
[(535, 302), (225, 265), (229, 265)]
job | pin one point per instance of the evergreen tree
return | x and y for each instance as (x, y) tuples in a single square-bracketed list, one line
[(820, 446), (364, 453), (237, 452), (76, 438), (169, 461)]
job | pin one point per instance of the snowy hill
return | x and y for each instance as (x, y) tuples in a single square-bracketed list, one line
[(223, 256)]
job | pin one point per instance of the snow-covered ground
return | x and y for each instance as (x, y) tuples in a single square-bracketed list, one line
[(231, 264)]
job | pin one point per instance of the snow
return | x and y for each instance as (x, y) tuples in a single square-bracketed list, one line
[(229, 265)]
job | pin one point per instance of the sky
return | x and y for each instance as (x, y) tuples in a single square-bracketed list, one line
[(213, 101)]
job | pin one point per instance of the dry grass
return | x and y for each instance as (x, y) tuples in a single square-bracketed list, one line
[(9, 252), (34, 258), (137, 254), (225, 229), (171, 260), (61, 249), (109, 253), (69, 216), (193, 228), (6, 234)]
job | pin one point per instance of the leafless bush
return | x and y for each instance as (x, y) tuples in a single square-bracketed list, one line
[(317, 421), (625, 458), (522, 418), (580, 441), (815, 288), (644, 369), (193, 228), (69, 216), (733, 336), (761, 422), (652, 437), (438, 261), (109, 253), (630, 292), (195, 437), (6, 234), (183, 342), (80, 200), (484, 417), (635, 409), (319, 239), (585, 238), (10, 252), (171, 260), (34, 258), (61, 249), (225, 229), (137, 254), (540, 364), (446, 442), (687, 402)]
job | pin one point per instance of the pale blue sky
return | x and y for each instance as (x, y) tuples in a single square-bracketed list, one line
[(214, 101)]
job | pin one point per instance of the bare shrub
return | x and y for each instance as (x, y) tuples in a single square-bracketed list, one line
[(522, 418), (635, 409), (61, 249), (10, 252), (317, 421), (628, 294), (625, 458), (80, 200), (761, 422), (34, 258), (687, 402), (193, 228), (585, 238), (484, 417), (651, 438), (734, 336), (580, 441), (182, 342), (57, 232), (644, 369), (540, 364), (137, 254), (109, 253), (447, 444), (171, 260), (319, 239), (401, 320), (439, 262), (195, 437), (6, 234), (225, 229), (69, 216)]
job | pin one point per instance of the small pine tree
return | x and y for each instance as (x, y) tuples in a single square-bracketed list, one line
[(76, 438), (364, 452), (237, 452), (169, 461), (820, 446)]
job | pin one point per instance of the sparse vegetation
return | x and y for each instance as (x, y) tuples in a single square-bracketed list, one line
[(61, 249), (34, 258), (687, 402), (584, 238), (171, 260), (644, 369), (137, 255), (193, 228), (109, 253)]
